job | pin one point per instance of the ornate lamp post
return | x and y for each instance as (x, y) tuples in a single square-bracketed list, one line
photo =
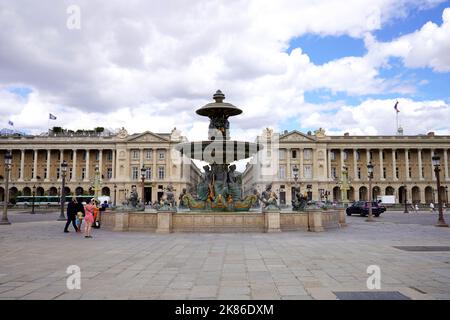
[(436, 164), (63, 190), (115, 194), (33, 199), (370, 173), (143, 171), (295, 171), (8, 160), (97, 183), (405, 193), (344, 186), (446, 196)]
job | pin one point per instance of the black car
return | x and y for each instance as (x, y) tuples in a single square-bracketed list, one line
[(362, 208)]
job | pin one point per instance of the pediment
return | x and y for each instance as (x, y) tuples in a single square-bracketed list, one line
[(296, 136), (147, 137)]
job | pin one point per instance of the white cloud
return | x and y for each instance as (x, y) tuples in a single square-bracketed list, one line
[(149, 65)]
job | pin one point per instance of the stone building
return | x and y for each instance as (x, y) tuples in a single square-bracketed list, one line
[(400, 162), (118, 157)]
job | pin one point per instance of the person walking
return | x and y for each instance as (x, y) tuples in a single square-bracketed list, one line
[(416, 207), (89, 210), (72, 209), (431, 207)]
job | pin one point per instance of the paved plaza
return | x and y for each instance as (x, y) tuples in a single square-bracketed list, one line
[(35, 254)]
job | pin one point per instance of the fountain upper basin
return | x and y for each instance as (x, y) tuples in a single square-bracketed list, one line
[(219, 151)]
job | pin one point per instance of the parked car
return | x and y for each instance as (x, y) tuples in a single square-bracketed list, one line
[(362, 208)]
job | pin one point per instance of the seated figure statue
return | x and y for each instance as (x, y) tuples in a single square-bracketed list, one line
[(269, 198), (168, 199), (299, 202)]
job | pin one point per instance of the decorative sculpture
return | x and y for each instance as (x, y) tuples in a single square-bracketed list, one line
[(269, 199), (300, 201)]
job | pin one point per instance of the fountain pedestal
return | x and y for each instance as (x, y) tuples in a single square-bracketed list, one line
[(164, 224)]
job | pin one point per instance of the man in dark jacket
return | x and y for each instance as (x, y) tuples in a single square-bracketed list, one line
[(72, 208)]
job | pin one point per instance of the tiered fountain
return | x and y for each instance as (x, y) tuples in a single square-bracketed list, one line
[(220, 189)]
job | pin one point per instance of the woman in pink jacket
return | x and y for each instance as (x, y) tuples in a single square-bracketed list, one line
[(89, 218)]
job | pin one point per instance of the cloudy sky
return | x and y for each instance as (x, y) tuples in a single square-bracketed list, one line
[(148, 65)]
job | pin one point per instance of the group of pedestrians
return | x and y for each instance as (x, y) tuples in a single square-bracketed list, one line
[(89, 213)]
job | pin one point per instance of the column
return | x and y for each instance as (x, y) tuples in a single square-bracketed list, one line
[(433, 176), (61, 159), (113, 164), (342, 159), (49, 154), (407, 164), (329, 165), (100, 162), (380, 154), (155, 170), (367, 160), (419, 157), (300, 167), (86, 178), (36, 152), (445, 164), (141, 159), (22, 164), (394, 166), (288, 164), (74, 165), (355, 165)]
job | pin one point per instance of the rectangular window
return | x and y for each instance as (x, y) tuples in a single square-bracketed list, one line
[(282, 173), (396, 172), (45, 173), (134, 173), (307, 154), (423, 172), (110, 155), (307, 170), (32, 172), (384, 172), (135, 154), (59, 155), (358, 155), (83, 173), (161, 173), (148, 154), (97, 155), (371, 155), (109, 173), (383, 155), (282, 154), (148, 173), (20, 172), (332, 155), (345, 155), (294, 154), (359, 172), (84, 155), (162, 154), (333, 173), (409, 172)]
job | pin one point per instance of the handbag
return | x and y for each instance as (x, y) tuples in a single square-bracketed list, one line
[(96, 224)]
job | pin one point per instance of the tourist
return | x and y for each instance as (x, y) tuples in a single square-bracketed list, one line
[(416, 207), (72, 209), (89, 210), (431, 207), (104, 206), (80, 214)]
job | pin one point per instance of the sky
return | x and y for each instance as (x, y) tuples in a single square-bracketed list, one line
[(148, 65)]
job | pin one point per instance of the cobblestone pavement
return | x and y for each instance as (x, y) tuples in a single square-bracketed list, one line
[(34, 257)]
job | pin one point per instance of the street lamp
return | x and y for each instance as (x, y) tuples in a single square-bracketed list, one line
[(33, 199), (405, 194), (63, 191), (446, 196), (115, 194), (370, 173), (143, 171), (8, 160), (436, 164)]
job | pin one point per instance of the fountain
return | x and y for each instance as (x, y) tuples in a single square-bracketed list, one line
[(220, 189)]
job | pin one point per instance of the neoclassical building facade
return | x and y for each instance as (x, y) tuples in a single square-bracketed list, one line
[(400, 162), (117, 157)]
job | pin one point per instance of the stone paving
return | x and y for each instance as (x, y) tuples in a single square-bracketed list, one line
[(34, 257)]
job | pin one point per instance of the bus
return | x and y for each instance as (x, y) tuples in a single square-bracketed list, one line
[(27, 201)]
